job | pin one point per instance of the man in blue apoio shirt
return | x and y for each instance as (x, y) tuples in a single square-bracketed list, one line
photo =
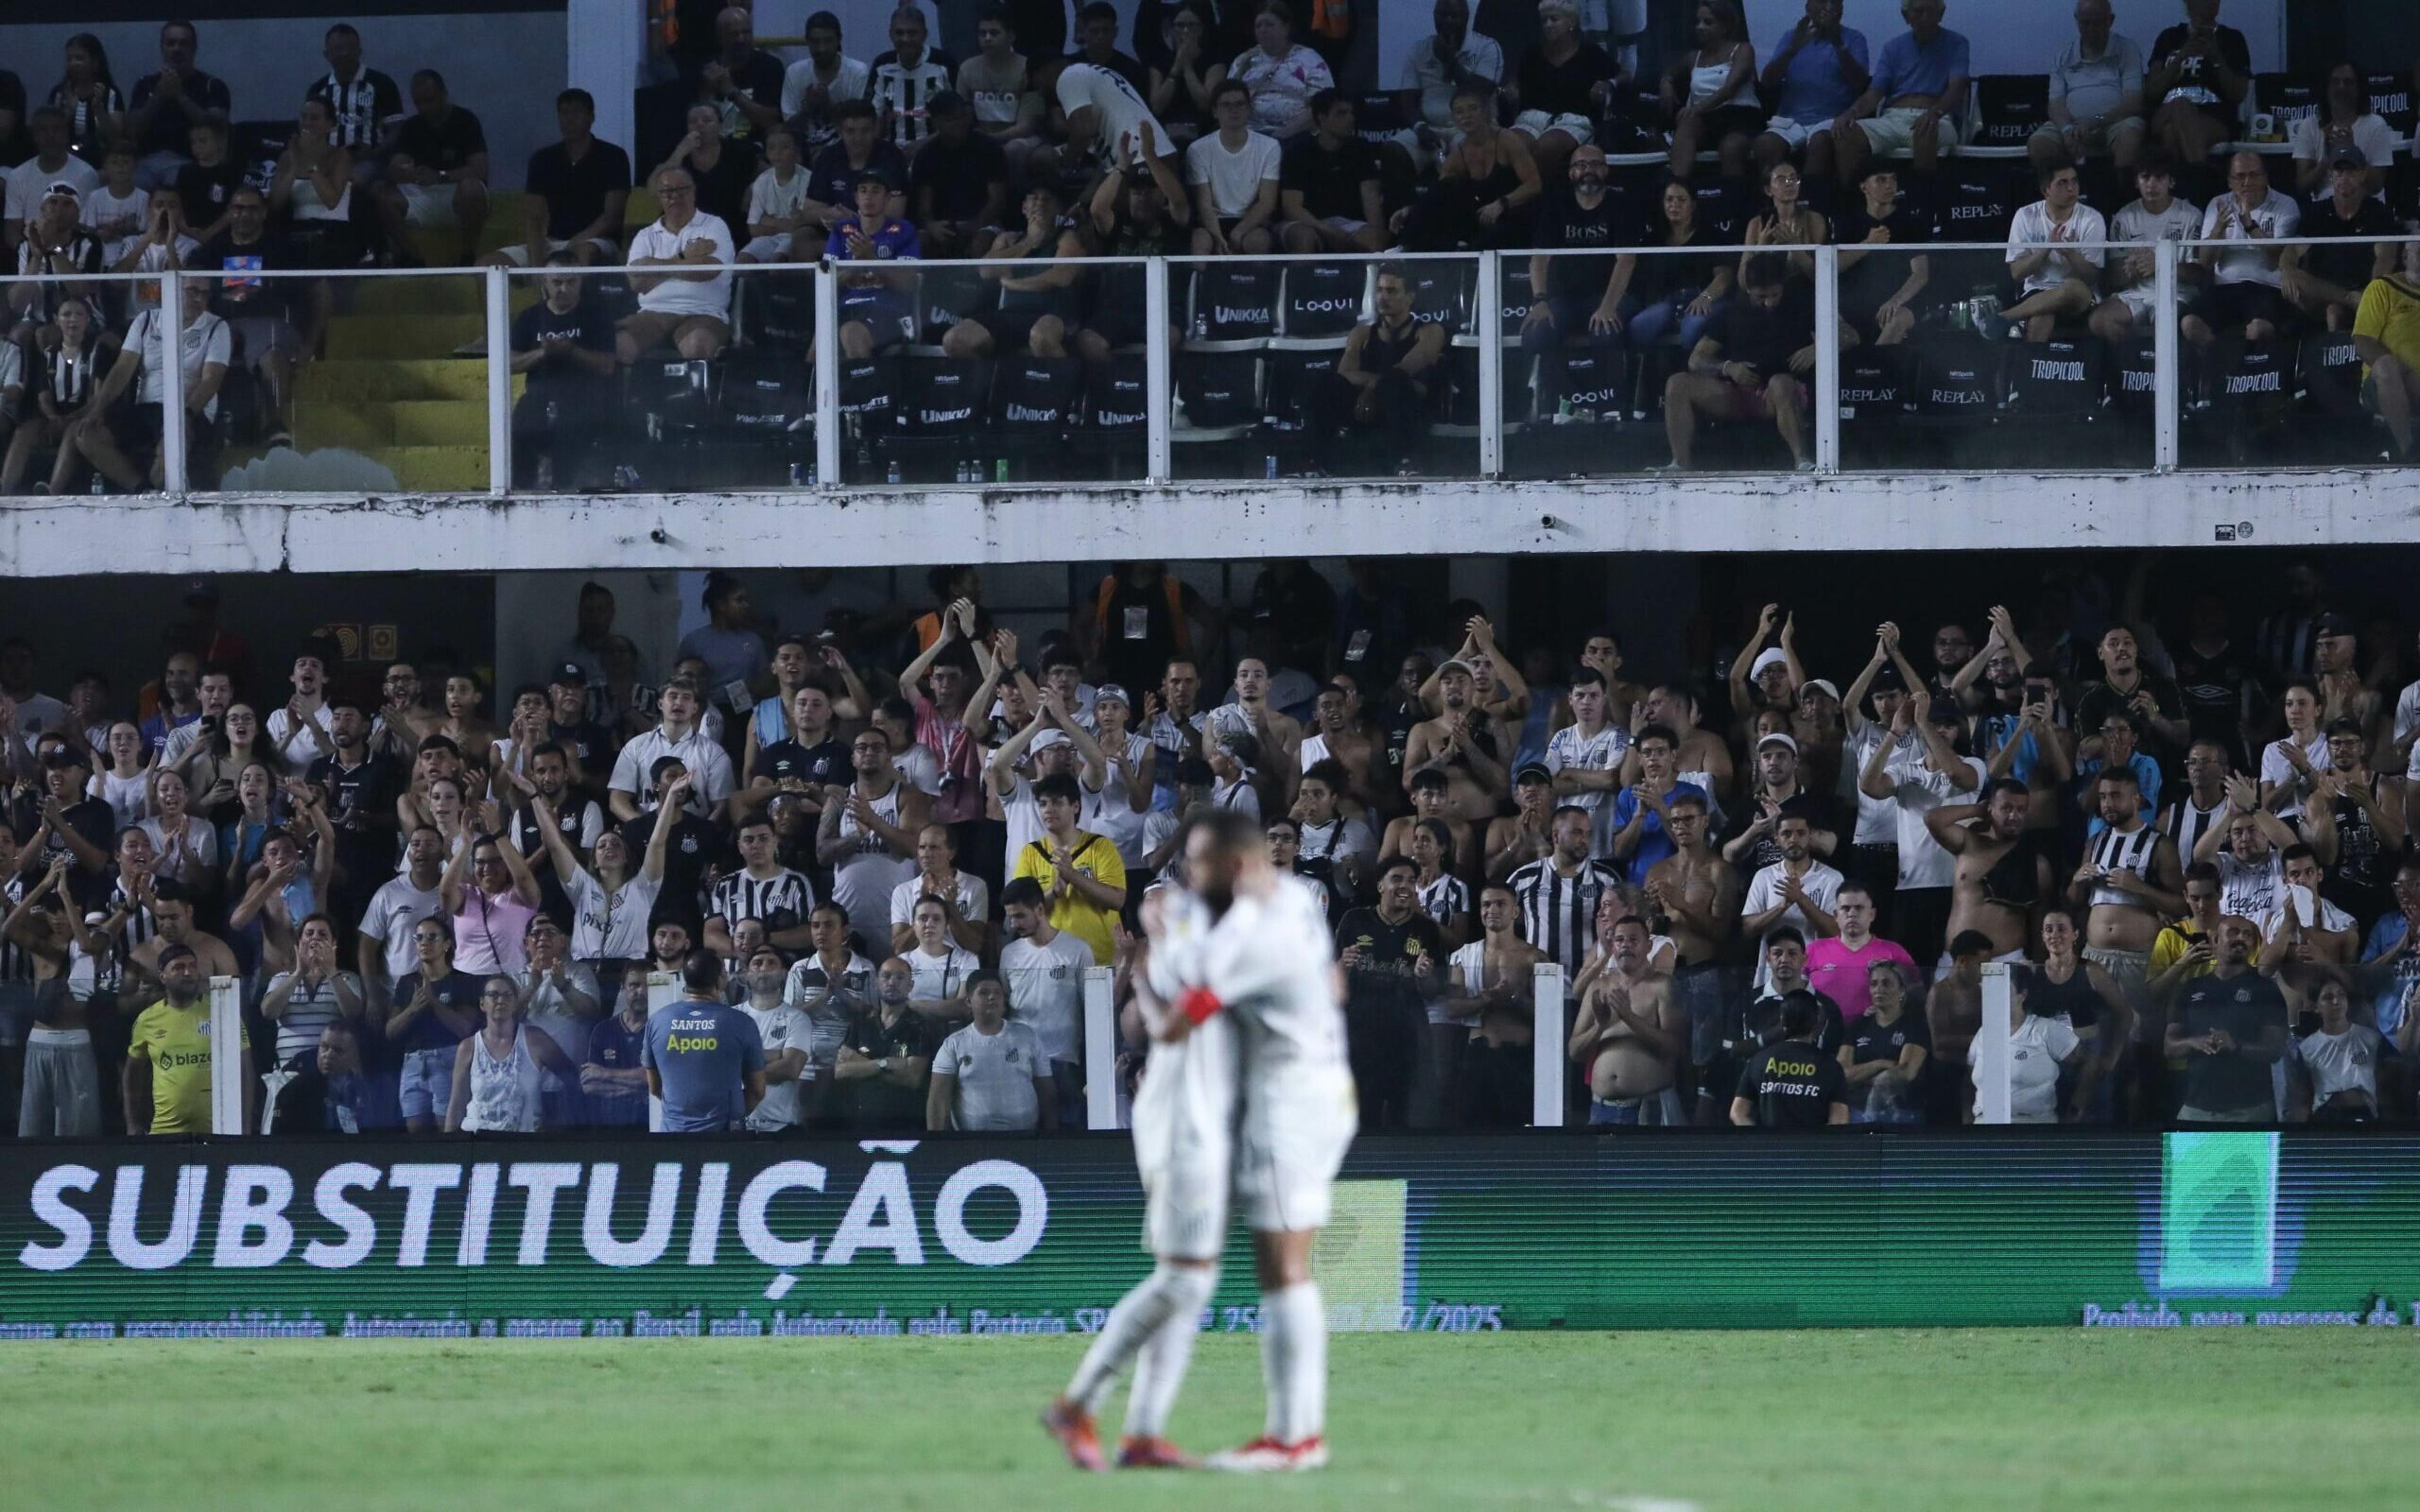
[(703, 1057)]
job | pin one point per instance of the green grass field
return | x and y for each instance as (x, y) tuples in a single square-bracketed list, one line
[(1668, 1421)]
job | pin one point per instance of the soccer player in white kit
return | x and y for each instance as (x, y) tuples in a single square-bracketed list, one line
[(1240, 974), (1105, 116)]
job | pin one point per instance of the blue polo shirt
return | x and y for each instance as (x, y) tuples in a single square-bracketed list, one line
[(1813, 91), (1907, 68), (702, 1051)]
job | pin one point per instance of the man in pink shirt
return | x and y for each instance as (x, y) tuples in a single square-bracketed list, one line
[(1836, 967)]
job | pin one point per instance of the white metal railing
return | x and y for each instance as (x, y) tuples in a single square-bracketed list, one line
[(1481, 317)]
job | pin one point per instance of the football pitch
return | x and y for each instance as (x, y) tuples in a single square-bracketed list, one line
[(1663, 1421)]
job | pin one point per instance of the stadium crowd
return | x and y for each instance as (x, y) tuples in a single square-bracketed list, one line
[(869, 857), (1222, 133)]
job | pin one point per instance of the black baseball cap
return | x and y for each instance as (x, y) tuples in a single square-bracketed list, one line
[(2333, 623), (1532, 772), (1888, 680), (569, 674)]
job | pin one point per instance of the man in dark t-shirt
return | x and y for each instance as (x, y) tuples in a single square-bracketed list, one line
[(1752, 366), (437, 176), (1327, 184), (957, 188), (1879, 290), (577, 190), (2197, 77), (883, 1064), (279, 320), (565, 344), (1394, 961), (2229, 1030), (1575, 295), (1790, 1083), (2325, 282)]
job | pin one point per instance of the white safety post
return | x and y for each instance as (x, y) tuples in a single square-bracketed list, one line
[(228, 1090), (1546, 1046), (1100, 1048), (1158, 399), (1491, 364), (1827, 358), (500, 383), (663, 990), (172, 384), (827, 379), (1989, 1054), (2167, 378)]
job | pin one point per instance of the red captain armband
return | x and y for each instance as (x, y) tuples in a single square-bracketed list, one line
[(1198, 1004)]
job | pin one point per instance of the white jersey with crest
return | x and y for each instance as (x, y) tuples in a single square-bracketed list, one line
[(1270, 963)]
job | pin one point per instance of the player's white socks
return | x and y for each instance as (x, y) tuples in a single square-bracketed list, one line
[(1159, 1369), (1138, 1315), (1294, 1362)]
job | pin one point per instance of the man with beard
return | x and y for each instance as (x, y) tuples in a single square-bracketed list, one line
[(1753, 844), (2355, 824), (1394, 962), (1580, 294), (2132, 881), (166, 1081), (1173, 721), (2002, 879), (1493, 997), (1629, 1035), (1460, 742), (1796, 890), (1338, 735)]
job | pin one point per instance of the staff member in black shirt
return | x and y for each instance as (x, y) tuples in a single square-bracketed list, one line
[(577, 190), (1394, 961), (2228, 1029), (1791, 1085), (1878, 294), (565, 343), (1327, 185)]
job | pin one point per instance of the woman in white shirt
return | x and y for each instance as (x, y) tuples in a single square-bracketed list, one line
[(2036, 1048), (2344, 119), (610, 905), (941, 964), (125, 783), (2289, 761), (499, 1072)]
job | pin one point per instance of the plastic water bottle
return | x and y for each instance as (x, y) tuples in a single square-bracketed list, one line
[(892, 475), (797, 474), (999, 470), (1269, 466)]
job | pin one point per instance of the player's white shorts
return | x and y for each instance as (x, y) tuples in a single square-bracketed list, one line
[(1298, 1120), (1184, 1139)]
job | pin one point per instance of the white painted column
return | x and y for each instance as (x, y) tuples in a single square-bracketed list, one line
[(1159, 398), (1827, 358), (1546, 1047), (2167, 384), (228, 1090), (1491, 364), (827, 379), (172, 384), (1989, 1054), (500, 384), (1100, 1048), (663, 990), (605, 46)]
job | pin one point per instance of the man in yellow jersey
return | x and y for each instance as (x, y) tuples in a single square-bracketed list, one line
[(167, 1077), (2387, 334)]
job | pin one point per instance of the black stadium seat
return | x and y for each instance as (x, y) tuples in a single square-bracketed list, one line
[(1319, 302), (2009, 109), (1233, 307), (2390, 98), (945, 296)]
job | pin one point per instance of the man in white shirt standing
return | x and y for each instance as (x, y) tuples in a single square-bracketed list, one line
[(300, 730), (989, 1076), (1798, 890), (2247, 296), (1044, 967), (1585, 756), (2055, 255), (687, 309), (678, 735), (1233, 171)]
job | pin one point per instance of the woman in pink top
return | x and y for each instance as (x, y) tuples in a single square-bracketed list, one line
[(491, 907), (1836, 967), (946, 713)]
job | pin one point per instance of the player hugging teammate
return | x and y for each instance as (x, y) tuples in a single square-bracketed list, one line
[(1247, 1091)]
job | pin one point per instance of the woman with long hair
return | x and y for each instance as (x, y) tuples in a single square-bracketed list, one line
[(1680, 292), (1710, 94), (59, 389), (1787, 221), (1181, 85), (88, 96)]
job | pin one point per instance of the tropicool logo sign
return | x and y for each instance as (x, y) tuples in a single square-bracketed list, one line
[(247, 1219)]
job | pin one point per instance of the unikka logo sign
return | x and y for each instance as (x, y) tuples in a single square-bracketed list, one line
[(254, 1216)]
